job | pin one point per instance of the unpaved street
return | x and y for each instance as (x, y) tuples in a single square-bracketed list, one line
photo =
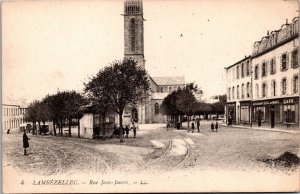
[(154, 151)]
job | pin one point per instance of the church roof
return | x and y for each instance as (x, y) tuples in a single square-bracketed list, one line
[(174, 80)]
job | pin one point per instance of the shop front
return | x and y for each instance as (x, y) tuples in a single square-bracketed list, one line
[(273, 112), (230, 113), (245, 112)]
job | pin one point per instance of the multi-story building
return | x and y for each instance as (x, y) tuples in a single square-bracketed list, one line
[(239, 91), (12, 117), (274, 80)]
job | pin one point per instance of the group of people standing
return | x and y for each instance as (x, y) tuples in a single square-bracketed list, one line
[(133, 126), (193, 126), (214, 126)]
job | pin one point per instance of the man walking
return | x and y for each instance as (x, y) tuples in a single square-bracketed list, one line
[(25, 142), (216, 126), (198, 125)]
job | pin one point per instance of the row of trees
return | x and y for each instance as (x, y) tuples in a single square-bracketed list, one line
[(57, 108), (187, 101), (113, 88)]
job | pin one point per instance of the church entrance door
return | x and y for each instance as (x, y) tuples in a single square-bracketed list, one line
[(134, 115)]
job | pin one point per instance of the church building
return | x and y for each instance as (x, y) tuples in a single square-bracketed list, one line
[(148, 110)]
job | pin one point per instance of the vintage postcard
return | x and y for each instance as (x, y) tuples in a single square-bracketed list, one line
[(150, 96)]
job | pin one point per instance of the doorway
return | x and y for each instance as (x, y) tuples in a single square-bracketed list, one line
[(272, 117), (259, 117), (134, 115)]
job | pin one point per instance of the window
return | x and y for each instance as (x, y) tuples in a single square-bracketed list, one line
[(256, 72), (248, 89), (238, 92), (170, 89), (263, 69), (243, 88), (284, 62), (161, 89), (273, 66), (283, 86), (229, 93), (156, 108), (132, 34), (295, 84), (233, 92), (248, 68), (132, 43), (237, 72), (242, 70), (257, 90), (273, 86), (289, 113), (295, 58), (264, 90)]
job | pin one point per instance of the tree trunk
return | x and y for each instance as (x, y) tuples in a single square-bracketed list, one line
[(103, 125), (39, 127), (78, 127), (54, 128), (70, 120), (121, 126), (61, 127), (188, 119)]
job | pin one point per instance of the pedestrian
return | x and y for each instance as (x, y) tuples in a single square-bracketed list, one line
[(134, 129), (25, 142), (127, 131), (198, 125), (216, 126), (8, 131), (193, 127), (122, 130), (212, 126), (168, 125)]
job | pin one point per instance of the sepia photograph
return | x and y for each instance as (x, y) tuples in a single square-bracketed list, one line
[(130, 96)]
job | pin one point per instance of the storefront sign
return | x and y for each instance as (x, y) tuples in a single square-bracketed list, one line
[(245, 103), (267, 102), (288, 101), (231, 105)]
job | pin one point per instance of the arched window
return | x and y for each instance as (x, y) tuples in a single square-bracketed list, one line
[(170, 89), (156, 108), (132, 34)]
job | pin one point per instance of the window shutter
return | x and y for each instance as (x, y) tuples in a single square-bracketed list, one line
[(287, 60), (281, 62), (274, 65), (266, 69)]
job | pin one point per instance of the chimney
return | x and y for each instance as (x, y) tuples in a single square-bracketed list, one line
[(268, 33), (286, 21)]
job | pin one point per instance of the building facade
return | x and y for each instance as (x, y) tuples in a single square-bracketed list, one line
[(239, 86), (274, 81), (12, 117)]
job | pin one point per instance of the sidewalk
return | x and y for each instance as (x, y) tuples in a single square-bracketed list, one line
[(262, 128)]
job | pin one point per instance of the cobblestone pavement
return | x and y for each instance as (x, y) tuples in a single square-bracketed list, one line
[(157, 151)]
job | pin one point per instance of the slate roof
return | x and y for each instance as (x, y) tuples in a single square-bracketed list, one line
[(174, 80)]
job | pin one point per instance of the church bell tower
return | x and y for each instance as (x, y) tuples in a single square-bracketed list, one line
[(134, 31)]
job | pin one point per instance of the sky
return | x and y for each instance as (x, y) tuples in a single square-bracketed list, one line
[(51, 45)]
